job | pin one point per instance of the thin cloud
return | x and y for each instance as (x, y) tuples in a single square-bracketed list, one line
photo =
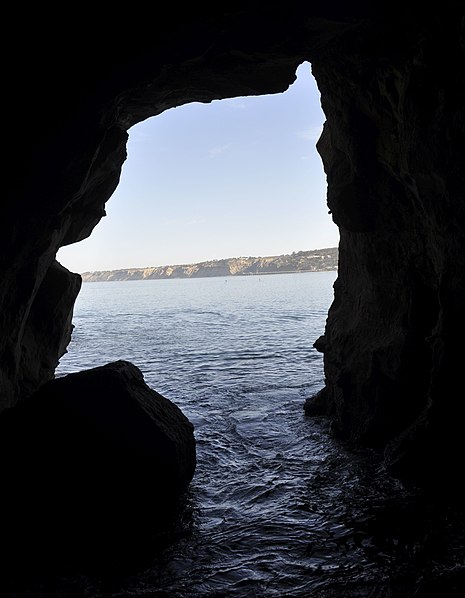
[(219, 149), (237, 104), (174, 223), (138, 133), (312, 134), (195, 222)]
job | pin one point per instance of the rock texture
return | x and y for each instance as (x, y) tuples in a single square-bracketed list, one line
[(392, 82), (48, 328), (93, 466), (391, 152), (318, 260)]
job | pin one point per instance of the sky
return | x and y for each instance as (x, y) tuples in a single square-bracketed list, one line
[(231, 178)]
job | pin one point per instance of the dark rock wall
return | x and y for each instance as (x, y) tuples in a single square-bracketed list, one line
[(394, 152), (48, 328), (393, 149)]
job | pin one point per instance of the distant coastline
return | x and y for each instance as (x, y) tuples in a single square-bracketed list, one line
[(316, 260)]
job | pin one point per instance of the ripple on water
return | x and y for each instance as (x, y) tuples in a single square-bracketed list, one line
[(277, 507)]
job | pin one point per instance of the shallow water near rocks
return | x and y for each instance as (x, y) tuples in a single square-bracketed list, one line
[(277, 507)]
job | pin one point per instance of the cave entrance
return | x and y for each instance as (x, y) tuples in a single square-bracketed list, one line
[(234, 353), (236, 178)]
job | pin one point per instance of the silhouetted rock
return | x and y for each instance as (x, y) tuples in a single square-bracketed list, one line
[(320, 344), (48, 327), (95, 465), (317, 404)]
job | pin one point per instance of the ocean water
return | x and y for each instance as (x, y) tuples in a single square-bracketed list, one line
[(277, 506)]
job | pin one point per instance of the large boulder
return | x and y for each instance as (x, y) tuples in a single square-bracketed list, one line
[(95, 467)]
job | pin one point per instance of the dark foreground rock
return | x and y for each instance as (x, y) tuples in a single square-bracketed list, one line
[(95, 467)]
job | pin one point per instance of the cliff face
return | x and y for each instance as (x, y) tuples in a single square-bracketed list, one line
[(303, 261), (392, 89)]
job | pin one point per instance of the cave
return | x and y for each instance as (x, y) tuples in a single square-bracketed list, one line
[(392, 84)]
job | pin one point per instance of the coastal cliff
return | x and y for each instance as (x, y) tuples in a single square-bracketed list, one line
[(317, 260)]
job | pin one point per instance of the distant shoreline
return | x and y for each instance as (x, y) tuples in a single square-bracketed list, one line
[(317, 260)]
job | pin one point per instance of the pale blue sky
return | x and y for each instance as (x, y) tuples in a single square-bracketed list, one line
[(238, 177)]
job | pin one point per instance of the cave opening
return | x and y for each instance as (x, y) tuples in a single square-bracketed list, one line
[(202, 184), (233, 352), (202, 181)]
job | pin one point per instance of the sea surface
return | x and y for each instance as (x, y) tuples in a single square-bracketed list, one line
[(277, 506)]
